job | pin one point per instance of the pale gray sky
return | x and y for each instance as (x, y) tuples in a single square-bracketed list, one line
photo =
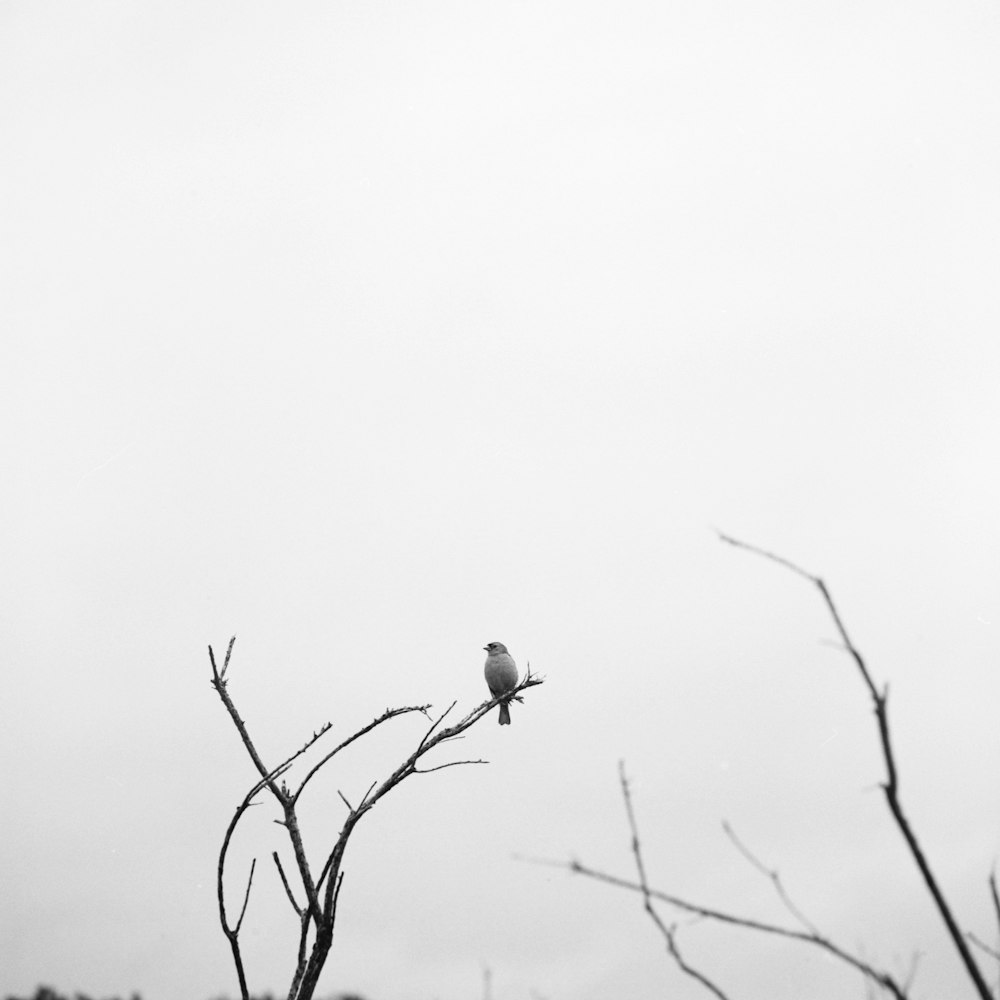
[(374, 332)]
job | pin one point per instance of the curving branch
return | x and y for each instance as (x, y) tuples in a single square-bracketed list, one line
[(389, 713), (232, 933)]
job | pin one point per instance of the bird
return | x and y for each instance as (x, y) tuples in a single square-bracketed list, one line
[(501, 675)]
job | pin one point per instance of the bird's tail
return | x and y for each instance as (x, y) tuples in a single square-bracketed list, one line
[(504, 714)]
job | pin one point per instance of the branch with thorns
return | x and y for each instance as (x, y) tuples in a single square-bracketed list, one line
[(318, 914)]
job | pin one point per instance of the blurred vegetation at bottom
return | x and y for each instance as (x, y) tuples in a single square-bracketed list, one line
[(47, 993)]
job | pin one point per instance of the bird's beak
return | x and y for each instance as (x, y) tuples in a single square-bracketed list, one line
[(487, 648)]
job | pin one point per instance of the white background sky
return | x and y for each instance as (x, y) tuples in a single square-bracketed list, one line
[(374, 332)]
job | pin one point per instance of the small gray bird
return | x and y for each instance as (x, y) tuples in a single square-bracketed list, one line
[(501, 675)]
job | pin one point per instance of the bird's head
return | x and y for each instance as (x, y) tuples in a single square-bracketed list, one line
[(495, 647)]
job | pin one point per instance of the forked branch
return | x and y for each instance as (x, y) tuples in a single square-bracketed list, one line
[(879, 977), (317, 915), (669, 933)]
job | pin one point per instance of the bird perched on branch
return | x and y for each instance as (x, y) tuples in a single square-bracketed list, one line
[(501, 675)]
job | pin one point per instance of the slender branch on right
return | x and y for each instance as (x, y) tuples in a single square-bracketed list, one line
[(890, 787)]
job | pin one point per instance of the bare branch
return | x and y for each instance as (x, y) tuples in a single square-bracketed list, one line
[(684, 967), (336, 896), (322, 896), (773, 876), (368, 791), (881, 979), (437, 722), (995, 896), (667, 932), (284, 882), (404, 770), (912, 974), (983, 946), (285, 800), (300, 957), (229, 653), (451, 763), (246, 897), (232, 933), (891, 786), (389, 713), (220, 685), (217, 674)]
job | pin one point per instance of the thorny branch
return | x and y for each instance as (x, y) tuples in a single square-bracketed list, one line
[(322, 894), (232, 933)]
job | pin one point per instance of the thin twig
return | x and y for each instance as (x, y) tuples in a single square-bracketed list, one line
[(773, 876), (667, 932), (982, 945), (436, 723), (246, 897), (368, 791), (389, 713), (911, 975), (690, 970), (220, 684), (890, 787), (450, 763), (995, 896), (284, 882)]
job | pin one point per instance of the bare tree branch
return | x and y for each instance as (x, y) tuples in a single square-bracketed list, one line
[(878, 977), (995, 896), (774, 878), (246, 897), (983, 946), (389, 713), (891, 785), (232, 933), (667, 932), (450, 763), (322, 895), (284, 881), (437, 722), (912, 974)]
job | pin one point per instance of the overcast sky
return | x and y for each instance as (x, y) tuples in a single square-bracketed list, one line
[(373, 332)]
